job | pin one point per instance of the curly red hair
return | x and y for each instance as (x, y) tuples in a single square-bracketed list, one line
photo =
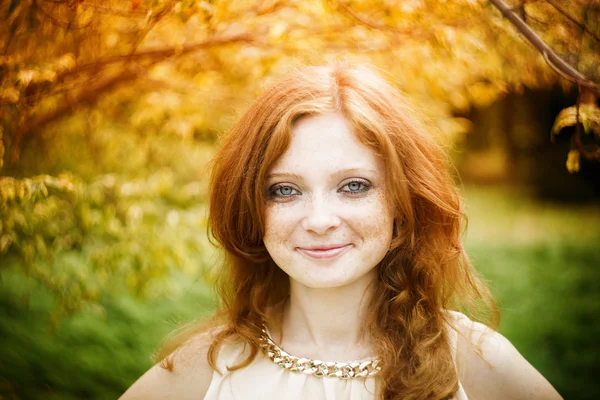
[(426, 271)]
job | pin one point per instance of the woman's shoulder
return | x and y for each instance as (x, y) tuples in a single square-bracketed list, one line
[(187, 376), (490, 367)]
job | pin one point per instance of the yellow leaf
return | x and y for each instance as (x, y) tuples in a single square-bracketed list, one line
[(26, 76), (9, 95), (483, 94), (573, 161), (66, 62), (5, 242), (589, 116), (278, 30), (1, 149)]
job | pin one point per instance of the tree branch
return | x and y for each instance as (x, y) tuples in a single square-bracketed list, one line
[(114, 11), (154, 19), (553, 59), (61, 24), (88, 95), (363, 21), (91, 94), (159, 53)]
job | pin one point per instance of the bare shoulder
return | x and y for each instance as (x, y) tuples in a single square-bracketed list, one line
[(189, 378), (490, 367)]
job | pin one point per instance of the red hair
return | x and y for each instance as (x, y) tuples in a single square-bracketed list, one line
[(426, 271)]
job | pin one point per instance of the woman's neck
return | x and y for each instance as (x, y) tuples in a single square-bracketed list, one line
[(327, 324)]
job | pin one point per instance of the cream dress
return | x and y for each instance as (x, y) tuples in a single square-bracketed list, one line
[(263, 379)]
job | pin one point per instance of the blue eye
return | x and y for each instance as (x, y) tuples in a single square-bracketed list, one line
[(354, 187), (357, 186), (283, 191)]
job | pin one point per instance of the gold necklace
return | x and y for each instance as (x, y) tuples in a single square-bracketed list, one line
[(327, 369)]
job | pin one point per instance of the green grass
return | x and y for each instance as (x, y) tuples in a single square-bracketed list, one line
[(96, 353), (550, 302), (542, 261)]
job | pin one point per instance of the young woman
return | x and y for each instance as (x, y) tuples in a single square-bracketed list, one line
[(341, 225)]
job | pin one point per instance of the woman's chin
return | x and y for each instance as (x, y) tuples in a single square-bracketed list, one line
[(331, 280)]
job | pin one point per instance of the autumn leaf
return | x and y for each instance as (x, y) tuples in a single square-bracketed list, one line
[(573, 161), (589, 117)]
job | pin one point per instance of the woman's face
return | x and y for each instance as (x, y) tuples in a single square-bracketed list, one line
[(327, 221)]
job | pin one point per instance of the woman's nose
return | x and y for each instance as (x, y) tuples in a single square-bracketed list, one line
[(321, 215)]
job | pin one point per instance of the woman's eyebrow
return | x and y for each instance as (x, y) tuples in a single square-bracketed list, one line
[(284, 175), (336, 173)]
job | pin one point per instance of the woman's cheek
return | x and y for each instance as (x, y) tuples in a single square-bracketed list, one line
[(278, 222)]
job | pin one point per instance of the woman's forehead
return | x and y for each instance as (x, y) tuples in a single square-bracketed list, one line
[(325, 143)]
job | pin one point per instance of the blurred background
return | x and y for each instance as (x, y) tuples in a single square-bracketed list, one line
[(110, 112)]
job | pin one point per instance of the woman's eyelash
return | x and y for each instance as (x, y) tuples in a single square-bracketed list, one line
[(365, 186), (360, 185), (274, 189)]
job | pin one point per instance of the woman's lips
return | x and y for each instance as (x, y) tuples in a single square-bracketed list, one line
[(324, 253)]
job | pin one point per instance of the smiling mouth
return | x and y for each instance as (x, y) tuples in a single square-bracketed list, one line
[(324, 253)]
